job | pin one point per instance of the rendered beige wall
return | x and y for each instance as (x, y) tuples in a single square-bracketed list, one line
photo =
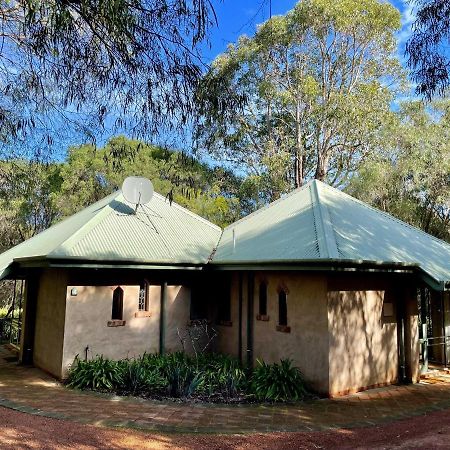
[(88, 313), (50, 320), (363, 343), (307, 342), (177, 318)]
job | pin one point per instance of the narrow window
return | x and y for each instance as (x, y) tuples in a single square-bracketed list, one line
[(282, 308), (117, 304), (143, 297), (263, 299)]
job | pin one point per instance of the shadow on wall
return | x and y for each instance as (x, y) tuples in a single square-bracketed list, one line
[(363, 345)]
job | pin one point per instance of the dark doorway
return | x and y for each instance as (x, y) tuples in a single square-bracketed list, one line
[(434, 329)]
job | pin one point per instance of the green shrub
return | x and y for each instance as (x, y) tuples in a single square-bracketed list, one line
[(221, 375), (98, 374), (177, 375), (278, 382), (140, 379)]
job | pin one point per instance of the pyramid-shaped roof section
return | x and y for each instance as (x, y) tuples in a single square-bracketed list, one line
[(109, 230), (319, 223)]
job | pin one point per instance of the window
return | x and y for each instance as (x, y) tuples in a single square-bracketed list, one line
[(117, 304), (282, 308), (263, 299), (143, 297)]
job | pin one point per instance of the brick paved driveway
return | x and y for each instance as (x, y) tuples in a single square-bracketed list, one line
[(30, 390)]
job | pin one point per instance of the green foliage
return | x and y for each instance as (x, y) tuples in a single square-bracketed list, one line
[(409, 178), (221, 375), (138, 378), (278, 382), (91, 173), (99, 374), (309, 94), (211, 377), (75, 67)]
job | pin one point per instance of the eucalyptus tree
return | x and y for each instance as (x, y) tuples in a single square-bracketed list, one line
[(305, 96), (427, 49), (411, 177), (79, 66)]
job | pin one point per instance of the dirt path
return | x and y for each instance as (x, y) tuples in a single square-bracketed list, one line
[(24, 431)]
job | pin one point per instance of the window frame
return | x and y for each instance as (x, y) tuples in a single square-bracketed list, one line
[(283, 311), (145, 286), (117, 308)]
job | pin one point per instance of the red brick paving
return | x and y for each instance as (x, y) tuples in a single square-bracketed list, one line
[(30, 390)]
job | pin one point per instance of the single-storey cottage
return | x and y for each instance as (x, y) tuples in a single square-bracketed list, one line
[(317, 276)]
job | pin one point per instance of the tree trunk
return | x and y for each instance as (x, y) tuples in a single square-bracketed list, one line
[(298, 165), (322, 167)]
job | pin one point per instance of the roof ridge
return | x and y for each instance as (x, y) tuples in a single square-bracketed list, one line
[(263, 208), (329, 236), (196, 216), (389, 216), (72, 237)]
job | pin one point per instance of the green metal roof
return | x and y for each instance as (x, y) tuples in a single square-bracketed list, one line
[(110, 231), (318, 222), (313, 225)]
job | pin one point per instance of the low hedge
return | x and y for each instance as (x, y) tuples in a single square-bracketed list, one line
[(209, 377)]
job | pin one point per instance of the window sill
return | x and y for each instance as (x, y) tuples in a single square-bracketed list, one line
[(116, 323), (225, 323), (283, 329), (262, 317), (139, 314)]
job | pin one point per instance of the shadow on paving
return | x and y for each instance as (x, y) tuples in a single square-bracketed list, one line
[(30, 390)]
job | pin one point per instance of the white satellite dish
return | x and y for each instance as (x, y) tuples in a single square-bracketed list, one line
[(137, 190)]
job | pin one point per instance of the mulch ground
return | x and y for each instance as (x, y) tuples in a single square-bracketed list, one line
[(25, 431)]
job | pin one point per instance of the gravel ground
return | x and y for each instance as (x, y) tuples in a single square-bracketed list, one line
[(24, 431)]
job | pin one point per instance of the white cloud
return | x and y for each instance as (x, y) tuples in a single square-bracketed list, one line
[(408, 18)]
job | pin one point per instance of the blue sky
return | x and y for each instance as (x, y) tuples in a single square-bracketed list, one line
[(238, 17)]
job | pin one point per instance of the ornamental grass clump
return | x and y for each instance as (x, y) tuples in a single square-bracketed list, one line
[(99, 374), (278, 382), (206, 377)]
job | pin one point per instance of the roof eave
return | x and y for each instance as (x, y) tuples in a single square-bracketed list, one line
[(43, 262)]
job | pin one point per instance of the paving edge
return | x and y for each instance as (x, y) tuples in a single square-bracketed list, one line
[(175, 429)]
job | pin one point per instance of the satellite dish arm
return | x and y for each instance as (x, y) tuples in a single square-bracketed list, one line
[(137, 204)]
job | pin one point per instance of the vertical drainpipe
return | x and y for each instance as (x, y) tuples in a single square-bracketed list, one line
[(162, 317), (444, 328), (12, 312), (401, 338), (250, 299), (240, 317)]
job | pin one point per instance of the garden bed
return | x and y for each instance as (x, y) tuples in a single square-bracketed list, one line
[(208, 377)]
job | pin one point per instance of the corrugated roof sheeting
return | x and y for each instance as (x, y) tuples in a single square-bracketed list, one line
[(157, 233), (322, 223), (363, 232), (313, 223), (47, 241), (283, 230), (109, 230)]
